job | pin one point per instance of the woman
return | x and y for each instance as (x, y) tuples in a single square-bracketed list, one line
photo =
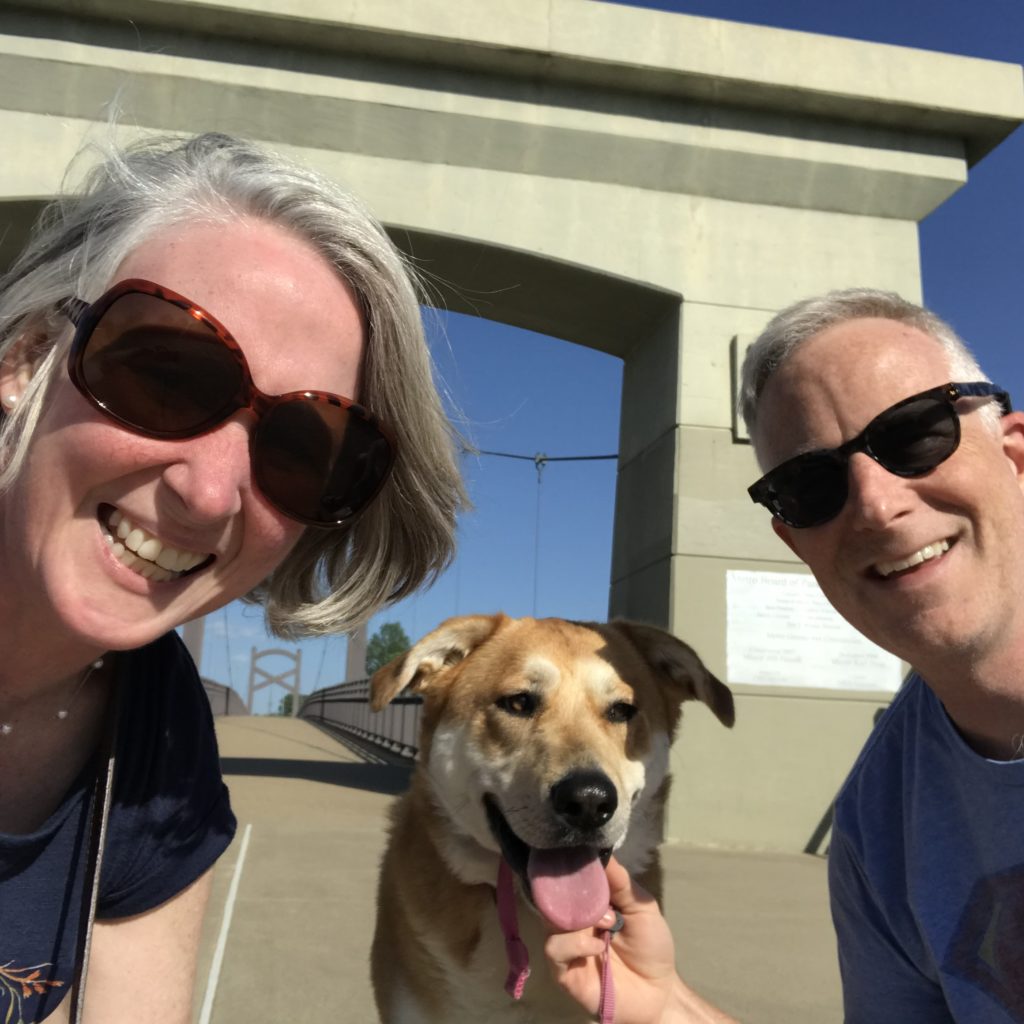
[(147, 477)]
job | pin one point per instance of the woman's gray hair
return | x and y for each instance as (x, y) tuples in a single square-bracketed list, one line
[(800, 322), (333, 579)]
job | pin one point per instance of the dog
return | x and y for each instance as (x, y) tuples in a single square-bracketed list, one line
[(543, 743)]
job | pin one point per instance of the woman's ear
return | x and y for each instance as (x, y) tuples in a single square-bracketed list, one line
[(18, 366)]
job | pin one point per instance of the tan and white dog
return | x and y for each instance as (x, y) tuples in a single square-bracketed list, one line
[(542, 741)]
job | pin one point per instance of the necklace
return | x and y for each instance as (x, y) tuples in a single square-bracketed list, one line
[(6, 728)]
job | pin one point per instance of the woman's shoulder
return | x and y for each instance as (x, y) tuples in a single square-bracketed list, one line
[(165, 733), (165, 660), (160, 682), (171, 816)]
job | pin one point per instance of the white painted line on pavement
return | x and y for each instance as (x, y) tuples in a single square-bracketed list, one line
[(225, 925)]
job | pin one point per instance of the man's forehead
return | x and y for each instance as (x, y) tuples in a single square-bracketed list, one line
[(837, 381)]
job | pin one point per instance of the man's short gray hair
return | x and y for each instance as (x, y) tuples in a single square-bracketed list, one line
[(801, 321), (333, 579)]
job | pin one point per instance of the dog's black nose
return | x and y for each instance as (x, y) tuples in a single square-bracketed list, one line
[(584, 800)]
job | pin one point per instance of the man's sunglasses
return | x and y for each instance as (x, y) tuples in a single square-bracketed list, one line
[(160, 366), (909, 439)]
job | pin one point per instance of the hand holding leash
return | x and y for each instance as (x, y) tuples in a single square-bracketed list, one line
[(641, 957)]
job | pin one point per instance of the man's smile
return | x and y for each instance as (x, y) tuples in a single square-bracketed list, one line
[(926, 554)]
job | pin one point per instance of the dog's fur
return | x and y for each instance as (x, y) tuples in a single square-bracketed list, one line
[(513, 707)]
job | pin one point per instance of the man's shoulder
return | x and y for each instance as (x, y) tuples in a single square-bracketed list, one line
[(876, 780)]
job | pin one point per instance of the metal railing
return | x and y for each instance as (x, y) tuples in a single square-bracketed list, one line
[(223, 700), (347, 707)]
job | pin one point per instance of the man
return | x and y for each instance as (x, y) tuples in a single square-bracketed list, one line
[(905, 497), (896, 472)]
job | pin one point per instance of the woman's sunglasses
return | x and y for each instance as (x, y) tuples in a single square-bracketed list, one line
[(160, 366), (909, 439)]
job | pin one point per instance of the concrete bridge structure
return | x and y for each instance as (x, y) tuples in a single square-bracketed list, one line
[(648, 184)]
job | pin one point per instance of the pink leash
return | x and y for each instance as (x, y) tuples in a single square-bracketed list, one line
[(515, 949), (519, 957)]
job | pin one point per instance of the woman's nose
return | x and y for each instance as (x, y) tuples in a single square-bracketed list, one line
[(212, 472)]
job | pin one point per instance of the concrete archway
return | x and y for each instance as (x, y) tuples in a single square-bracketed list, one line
[(652, 185)]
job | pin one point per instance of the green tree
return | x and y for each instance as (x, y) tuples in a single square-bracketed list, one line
[(285, 707), (388, 642)]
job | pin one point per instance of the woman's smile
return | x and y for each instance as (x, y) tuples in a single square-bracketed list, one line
[(144, 552)]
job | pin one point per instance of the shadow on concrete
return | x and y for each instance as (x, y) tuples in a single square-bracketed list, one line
[(388, 779)]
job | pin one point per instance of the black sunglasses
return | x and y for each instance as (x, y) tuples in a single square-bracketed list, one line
[(908, 439), (162, 367)]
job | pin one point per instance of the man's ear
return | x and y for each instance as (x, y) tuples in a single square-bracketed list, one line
[(785, 534), (1013, 441)]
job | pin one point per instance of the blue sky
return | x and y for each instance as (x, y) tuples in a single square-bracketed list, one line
[(546, 547)]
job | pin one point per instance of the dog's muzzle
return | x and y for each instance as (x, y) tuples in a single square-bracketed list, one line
[(566, 881)]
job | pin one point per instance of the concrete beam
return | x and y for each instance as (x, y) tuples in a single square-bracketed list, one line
[(603, 45), (726, 111)]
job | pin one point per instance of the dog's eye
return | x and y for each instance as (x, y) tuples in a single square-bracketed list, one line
[(621, 711), (523, 704)]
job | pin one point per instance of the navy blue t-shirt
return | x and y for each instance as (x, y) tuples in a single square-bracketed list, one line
[(926, 874), (170, 819)]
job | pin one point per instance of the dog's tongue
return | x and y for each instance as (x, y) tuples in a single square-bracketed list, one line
[(569, 886)]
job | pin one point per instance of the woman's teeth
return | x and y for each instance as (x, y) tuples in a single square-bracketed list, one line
[(145, 554), (926, 553)]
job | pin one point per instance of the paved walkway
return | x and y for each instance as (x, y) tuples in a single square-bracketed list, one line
[(297, 889)]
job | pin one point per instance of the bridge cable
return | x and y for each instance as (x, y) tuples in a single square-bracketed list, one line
[(323, 656), (540, 460), (227, 645)]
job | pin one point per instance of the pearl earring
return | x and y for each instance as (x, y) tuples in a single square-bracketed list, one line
[(10, 401)]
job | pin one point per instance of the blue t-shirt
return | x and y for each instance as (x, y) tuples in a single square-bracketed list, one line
[(170, 819), (926, 874)]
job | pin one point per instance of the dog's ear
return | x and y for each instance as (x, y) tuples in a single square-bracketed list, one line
[(688, 676), (446, 645)]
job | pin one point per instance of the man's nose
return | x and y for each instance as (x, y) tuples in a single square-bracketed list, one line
[(876, 496)]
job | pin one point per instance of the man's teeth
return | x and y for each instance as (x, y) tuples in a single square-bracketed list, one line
[(926, 553), (145, 554)]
